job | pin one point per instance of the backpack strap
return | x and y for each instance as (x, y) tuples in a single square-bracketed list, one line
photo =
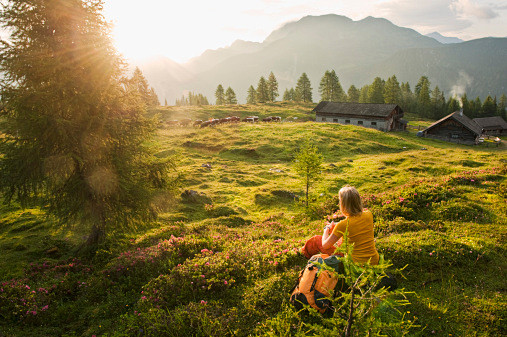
[(296, 284), (314, 281)]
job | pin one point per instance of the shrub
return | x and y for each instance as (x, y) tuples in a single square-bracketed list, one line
[(20, 302)]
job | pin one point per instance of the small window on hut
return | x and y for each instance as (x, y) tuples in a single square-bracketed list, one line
[(347, 121), (335, 120), (374, 123), (359, 122)]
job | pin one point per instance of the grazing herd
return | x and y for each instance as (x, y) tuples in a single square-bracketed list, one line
[(215, 121)]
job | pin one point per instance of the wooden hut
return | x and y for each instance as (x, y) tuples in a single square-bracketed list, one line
[(494, 126), (384, 117), (456, 128)]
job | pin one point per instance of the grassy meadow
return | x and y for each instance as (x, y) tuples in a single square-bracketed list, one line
[(221, 261)]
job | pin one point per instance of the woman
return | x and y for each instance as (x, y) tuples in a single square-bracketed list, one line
[(359, 224)]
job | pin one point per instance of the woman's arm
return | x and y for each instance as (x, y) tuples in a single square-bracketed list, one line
[(328, 240)]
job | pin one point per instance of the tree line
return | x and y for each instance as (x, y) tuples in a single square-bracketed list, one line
[(423, 100), (192, 99)]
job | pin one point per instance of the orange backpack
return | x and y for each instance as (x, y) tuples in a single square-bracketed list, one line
[(317, 283)]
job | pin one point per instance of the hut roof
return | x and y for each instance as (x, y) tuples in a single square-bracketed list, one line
[(496, 122), (462, 119), (355, 109)]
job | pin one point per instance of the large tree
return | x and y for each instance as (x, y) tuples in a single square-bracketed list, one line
[(330, 88), (74, 132), (304, 89), (272, 87)]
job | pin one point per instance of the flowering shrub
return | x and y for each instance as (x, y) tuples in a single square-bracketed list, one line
[(20, 302), (475, 177), (210, 273), (150, 261)]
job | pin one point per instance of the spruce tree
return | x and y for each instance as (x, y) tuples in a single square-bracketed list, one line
[(140, 84), (353, 94), (452, 105), (325, 87), (363, 94), (262, 92), (465, 105), (292, 93), (330, 88), (437, 103), (220, 95), (75, 133), (251, 96), (287, 96), (304, 89), (489, 107), (392, 91), (337, 93), (422, 92), (230, 96), (376, 91), (272, 87)]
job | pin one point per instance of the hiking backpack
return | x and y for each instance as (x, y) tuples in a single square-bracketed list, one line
[(317, 282)]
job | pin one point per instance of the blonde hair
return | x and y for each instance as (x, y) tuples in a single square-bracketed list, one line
[(350, 201)]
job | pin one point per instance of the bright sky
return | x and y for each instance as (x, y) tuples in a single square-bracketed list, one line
[(182, 29)]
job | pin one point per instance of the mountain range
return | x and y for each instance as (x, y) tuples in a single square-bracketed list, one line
[(358, 51)]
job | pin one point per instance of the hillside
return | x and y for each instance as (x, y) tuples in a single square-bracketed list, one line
[(458, 67), (357, 50), (221, 261)]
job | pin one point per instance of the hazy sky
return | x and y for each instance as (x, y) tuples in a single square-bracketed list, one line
[(182, 29)]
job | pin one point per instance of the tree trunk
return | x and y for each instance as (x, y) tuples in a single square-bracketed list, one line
[(307, 188), (96, 236)]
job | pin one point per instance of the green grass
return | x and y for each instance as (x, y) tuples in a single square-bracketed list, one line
[(451, 244)]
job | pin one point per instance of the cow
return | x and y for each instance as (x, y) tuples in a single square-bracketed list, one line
[(197, 122), (252, 119)]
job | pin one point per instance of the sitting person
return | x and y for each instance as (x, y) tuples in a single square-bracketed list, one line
[(359, 224)]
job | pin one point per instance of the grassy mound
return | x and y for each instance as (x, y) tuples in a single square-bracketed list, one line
[(220, 260)]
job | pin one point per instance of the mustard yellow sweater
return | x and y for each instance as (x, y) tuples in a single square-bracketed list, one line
[(360, 229)]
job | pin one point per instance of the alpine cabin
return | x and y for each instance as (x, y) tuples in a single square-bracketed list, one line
[(456, 128), (493, 126), (383, 117)]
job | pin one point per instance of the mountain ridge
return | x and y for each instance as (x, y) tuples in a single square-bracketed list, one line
[(357, 50)]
